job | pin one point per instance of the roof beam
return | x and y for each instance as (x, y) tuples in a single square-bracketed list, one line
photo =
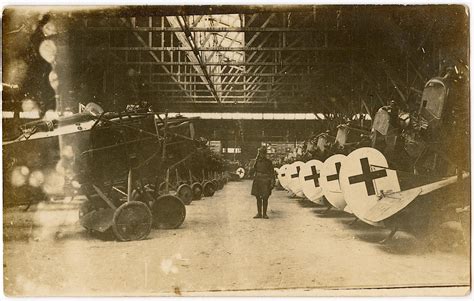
[(220, 44), (243, 48), (253, 63), (255, 66), (297, 40), (264, 25), (223, 96), (227, 83), (283, 100), (195, 53), (203, 91), (233, 74), (154, 55), (252, 19), (219, 29)]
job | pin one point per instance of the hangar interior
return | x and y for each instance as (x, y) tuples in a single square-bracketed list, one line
[(247, 77)]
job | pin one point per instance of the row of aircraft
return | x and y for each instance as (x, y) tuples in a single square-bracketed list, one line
[(377, 173), (126, 164), (360, 183)]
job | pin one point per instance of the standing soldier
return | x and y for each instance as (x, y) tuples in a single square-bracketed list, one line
[(263, 182)]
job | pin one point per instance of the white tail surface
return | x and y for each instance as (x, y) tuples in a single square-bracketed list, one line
[(282, 176), (240, 172), (329, 181), (392, 203), (294, 184), (309, 180), (364, 178)]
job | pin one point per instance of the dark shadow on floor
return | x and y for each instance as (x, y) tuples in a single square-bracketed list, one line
[(401, 244), (406, 243), (194, 223), (353, 224), (85, 235), (333, 213), (305, 203)]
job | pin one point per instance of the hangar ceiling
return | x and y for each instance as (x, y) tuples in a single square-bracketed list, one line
[(322, 59)]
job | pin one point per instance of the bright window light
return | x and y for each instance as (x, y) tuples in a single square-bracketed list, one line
[(7, 114), (267, 116), (300, 116), (30, 115)]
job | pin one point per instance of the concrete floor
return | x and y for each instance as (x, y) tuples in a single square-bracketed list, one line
[(221, 248)]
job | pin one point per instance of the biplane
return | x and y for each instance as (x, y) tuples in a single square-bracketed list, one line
[(349, 137), (39, 159), (427, 148), (418, 156), (319, 146), (118, 161), (432, 139), (375, 193), (362, 184)]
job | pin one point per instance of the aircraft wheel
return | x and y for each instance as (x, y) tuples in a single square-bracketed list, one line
[(208, 188), (185, 193), (216, 184), (169, 212), (132, 221), (197, 191)]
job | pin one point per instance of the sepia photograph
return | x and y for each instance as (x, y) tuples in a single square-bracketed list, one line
[(236, 150)]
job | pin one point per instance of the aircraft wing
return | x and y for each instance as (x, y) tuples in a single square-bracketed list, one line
[(391, 204), (59, 131), (440, 184), (394, 202)]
